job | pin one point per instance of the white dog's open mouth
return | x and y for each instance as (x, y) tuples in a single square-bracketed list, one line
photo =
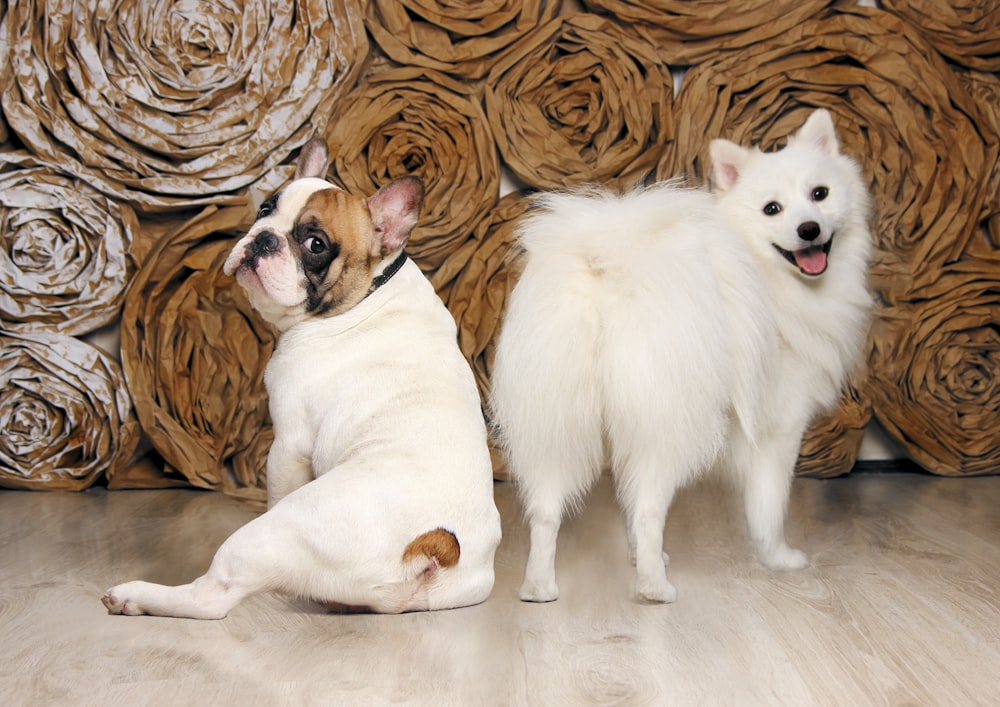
[(811, 261)]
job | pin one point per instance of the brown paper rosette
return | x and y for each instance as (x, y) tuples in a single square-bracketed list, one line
[(477, 296), (898, 108), (64, 411), (174, 103), (454, 36), (581, 99), (830, 446), (420, 122), (65, 258), (695, 30), (965, 31), (194, 354), (938, 371)]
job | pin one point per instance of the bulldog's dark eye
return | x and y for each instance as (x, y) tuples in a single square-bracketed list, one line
[(820, 193), (264, 210), (315, 245), (772, 208)]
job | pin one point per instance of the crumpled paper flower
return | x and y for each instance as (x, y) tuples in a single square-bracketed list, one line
[(899, 109), (64, 253), (693, 30), (194, 353), (965, 31), (938, 371), (175, 103), (64, 411), (453, 36), (476, 285), (477, 298), (581, 99), (830, 446), (420, 122)]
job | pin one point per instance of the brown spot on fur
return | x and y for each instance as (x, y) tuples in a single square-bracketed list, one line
[(439, 545), (347, 223)]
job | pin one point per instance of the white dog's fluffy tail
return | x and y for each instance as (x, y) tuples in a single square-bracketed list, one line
[(621, 299)]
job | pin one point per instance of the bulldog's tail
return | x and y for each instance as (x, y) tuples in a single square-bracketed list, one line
[(428, 552)]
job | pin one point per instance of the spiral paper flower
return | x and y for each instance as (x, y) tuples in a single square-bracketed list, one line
[(420, 122), (65, 258), (938, 369), (898, 108), (477, 297), (694, 30), (64, 411), (194, 354), (830, 447), (173, 103), (965, 31), (581, 99), (454, 36)]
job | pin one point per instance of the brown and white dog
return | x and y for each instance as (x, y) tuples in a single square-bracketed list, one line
[(379, 481)]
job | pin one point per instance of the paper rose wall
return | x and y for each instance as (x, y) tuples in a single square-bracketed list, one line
[(135, 139)]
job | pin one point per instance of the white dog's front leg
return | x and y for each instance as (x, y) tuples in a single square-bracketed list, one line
[(767, 485)]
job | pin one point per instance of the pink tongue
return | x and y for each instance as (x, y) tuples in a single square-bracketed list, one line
[(811, 261)]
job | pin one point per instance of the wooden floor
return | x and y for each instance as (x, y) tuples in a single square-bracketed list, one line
[(900, 607)]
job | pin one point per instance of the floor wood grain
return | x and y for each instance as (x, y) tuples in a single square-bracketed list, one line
[(900, 607)]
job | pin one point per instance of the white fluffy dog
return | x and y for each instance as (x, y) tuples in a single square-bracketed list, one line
[(666, 331)]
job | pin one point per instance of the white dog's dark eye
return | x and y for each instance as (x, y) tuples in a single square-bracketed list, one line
[(264, 210), (820, 193), (315, 245), (772, 208)]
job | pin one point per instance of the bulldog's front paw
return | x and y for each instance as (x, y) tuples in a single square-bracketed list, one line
[(118, 601)]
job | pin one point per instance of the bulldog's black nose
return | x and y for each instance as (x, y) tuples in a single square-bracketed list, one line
[(265, 242), (809, 231)]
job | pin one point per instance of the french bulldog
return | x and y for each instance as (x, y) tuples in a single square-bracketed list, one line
[(379, 482)]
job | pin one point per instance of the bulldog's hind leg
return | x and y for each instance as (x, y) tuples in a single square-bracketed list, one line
[(249, 562)]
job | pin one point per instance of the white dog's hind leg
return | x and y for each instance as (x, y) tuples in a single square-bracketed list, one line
[(540, 571), (767, 480), (646, 493)]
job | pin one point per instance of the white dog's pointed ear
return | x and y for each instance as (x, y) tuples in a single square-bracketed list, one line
[(395, 210), (727, 160), (819, 132), (313, 159)]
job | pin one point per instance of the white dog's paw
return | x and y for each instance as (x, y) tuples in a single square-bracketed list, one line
[(539, 591), (784, 558), (658, 590), (117, 601)]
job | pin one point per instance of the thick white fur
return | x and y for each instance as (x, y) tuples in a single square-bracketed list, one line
[(655, 332), (379, 439)]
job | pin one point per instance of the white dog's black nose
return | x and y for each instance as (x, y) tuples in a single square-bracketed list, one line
[(809, 231), (265, 242)]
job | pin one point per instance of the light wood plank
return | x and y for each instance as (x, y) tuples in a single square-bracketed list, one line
[(899, 607)]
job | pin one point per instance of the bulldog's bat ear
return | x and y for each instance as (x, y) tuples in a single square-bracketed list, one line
[(395, 210), (313, 159)]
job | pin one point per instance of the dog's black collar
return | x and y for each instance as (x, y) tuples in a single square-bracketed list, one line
[(387, 274)]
